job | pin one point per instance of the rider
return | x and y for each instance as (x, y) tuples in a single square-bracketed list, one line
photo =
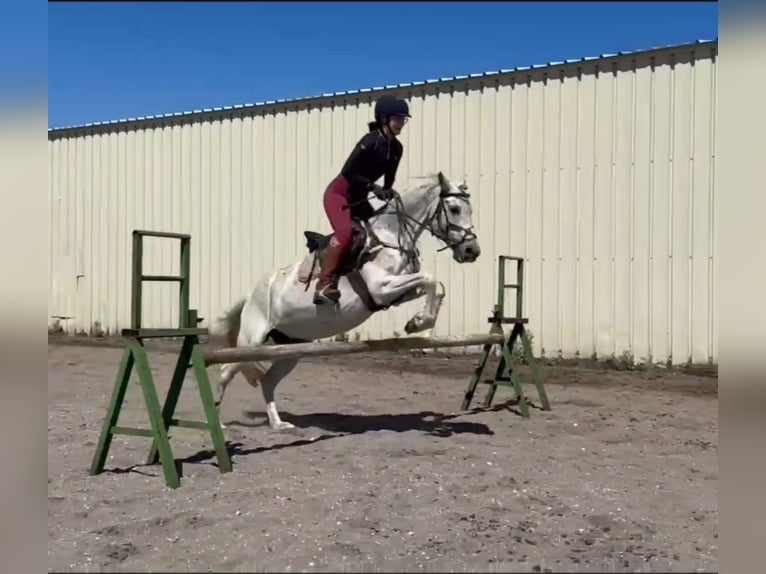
[(376, 154)]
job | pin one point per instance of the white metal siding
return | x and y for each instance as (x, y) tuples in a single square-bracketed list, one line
[(604, 180)]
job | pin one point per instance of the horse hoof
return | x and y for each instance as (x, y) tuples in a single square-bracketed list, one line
[(416, 325), (282, 425)]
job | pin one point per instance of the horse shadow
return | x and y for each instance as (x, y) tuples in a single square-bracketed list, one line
[(427, 422), (337, 425)]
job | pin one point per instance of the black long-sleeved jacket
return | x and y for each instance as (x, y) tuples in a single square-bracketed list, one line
[(374, 155)]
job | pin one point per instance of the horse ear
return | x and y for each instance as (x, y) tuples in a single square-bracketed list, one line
[(443, 182)]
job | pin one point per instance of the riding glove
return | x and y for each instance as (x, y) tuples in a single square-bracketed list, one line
[(384, 193)]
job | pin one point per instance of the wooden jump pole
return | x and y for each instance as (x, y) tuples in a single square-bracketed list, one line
[(301, 350)]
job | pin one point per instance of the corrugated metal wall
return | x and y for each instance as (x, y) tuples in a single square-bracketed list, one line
[(601, 174)]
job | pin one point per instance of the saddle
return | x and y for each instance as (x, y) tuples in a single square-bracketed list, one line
[(353, 259)]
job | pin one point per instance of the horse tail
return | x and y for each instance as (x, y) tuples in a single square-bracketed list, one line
[(230, 322)]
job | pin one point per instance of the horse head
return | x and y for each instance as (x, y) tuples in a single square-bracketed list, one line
[(452, 220)]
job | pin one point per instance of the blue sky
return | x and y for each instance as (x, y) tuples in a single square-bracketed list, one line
[(116, 60)]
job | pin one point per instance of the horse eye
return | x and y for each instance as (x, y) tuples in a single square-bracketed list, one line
[(454, 210)]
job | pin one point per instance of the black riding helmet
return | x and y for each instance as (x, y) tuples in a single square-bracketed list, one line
[(388, 106)]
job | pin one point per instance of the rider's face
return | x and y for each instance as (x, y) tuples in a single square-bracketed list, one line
[(396, 124)]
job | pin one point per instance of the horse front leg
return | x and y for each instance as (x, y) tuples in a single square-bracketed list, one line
[(426, 317), (404, 288)]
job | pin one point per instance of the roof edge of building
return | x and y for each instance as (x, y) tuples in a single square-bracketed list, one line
[(541, 70)]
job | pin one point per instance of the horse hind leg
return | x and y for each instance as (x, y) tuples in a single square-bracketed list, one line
[(255, 375), (255, 334), (227, 373), (278, 371), (253, 372)]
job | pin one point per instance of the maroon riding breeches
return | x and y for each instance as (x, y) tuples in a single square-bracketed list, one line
[(335, 200)]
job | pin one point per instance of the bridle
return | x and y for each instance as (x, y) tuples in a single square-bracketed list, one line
[(466, 233), (412, 228)]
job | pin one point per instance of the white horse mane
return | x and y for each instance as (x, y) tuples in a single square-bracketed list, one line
[(419, 188), (416, 182)]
